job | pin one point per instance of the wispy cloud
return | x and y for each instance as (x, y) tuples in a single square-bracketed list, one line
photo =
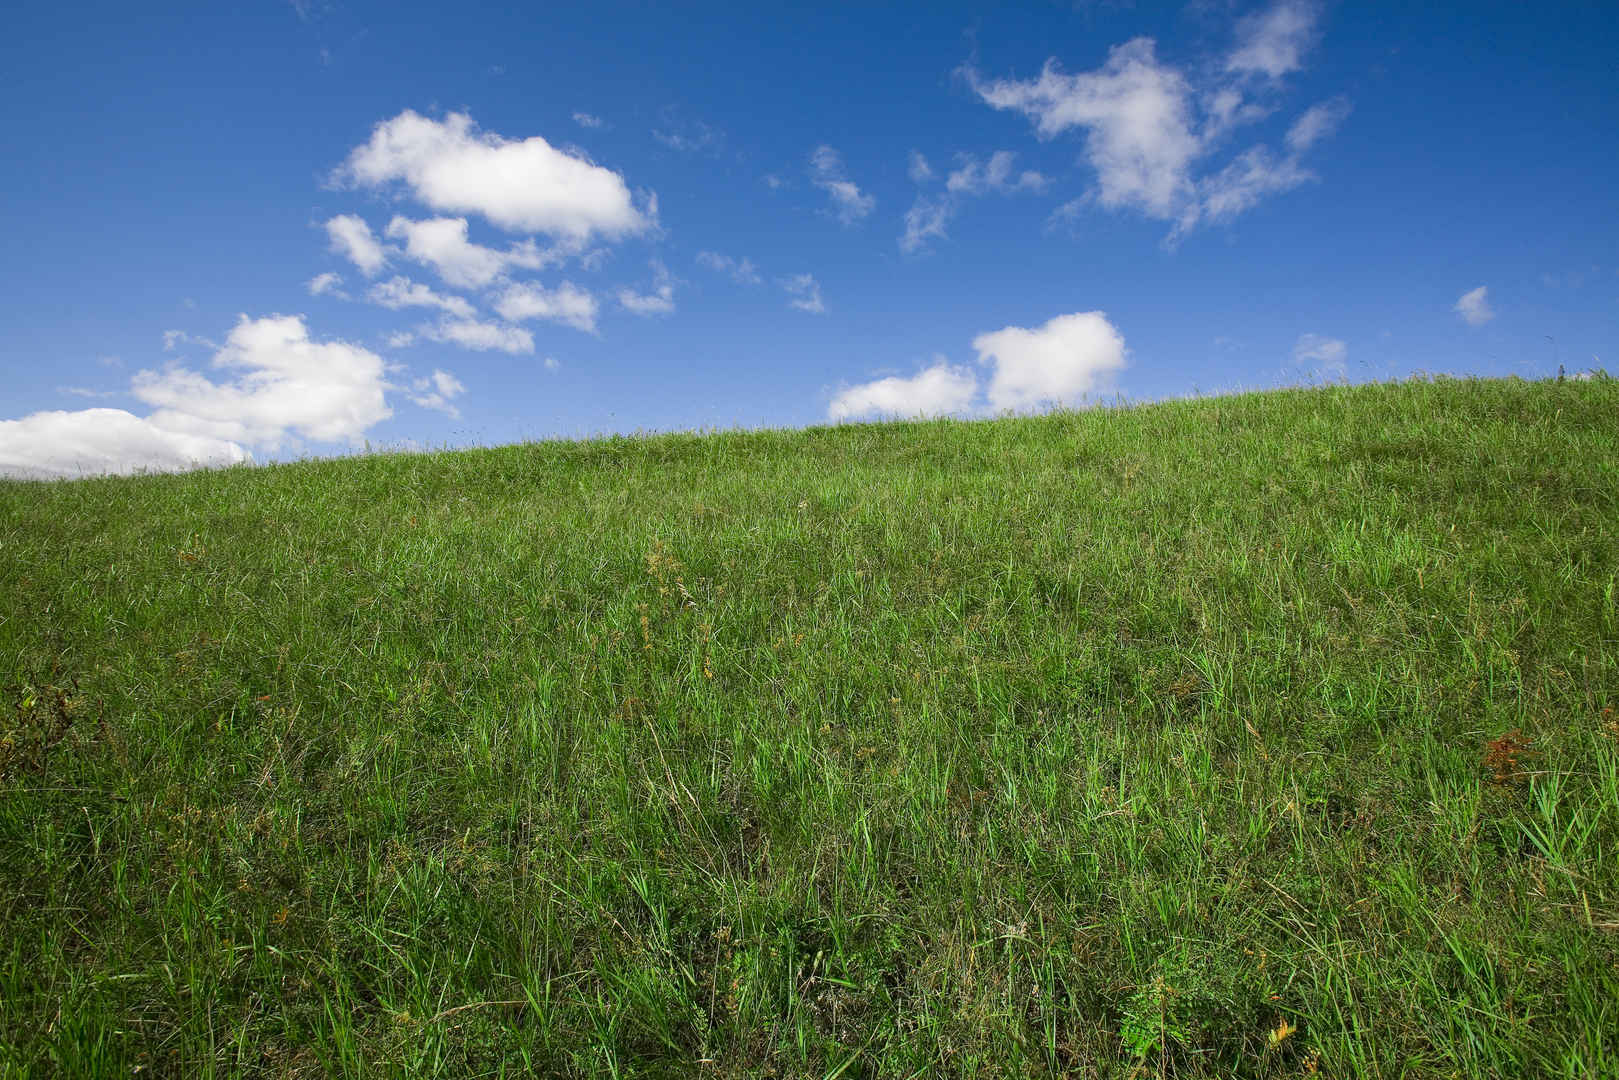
[(1150, 127), (479, 336), (437, 391), (805, 292), (740, 269), (401, 292), (930, 215), (325, 284), (659, 301), (1474, 307), (1326, 357), (849, 203), (567, 304)]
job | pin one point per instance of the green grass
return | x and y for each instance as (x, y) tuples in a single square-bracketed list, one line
[(1092, 744)]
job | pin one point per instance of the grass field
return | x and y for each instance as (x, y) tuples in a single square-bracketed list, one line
[(1270, 735)]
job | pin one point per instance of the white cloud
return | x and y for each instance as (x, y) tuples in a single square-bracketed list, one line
[(660, 301), (55, 445), (929, 217), (1317, 123), (1060, 362), (436, 392), (1273, 43), (973, 178), (1240, 186), (849, 203), (284, 385), (741, 269), (171, 338), (442, 244), (401, 292), (1148, 127), (926, 220), (1137, 117), (1066, 216), (351, 238), (328, 282), (806, 293), (524, 185), (586, 120), (935, 391), (551, 363), (278, 386), (693, 137), (400, 339), (1474, 307), (567, 304), (479, 336), (1328, 356), (920, 171)]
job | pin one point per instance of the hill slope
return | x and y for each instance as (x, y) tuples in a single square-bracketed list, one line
[(1242, 736)]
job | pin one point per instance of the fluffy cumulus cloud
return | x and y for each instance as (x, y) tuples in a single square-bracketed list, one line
[(566, 304), (479, 336), (352, 238), (1058, 363), (272, 386), (1061, 362), (805, 292), (1325, 357), (849, 203), (521, 185), (935, 391), (740, 269), (401, 292), (279, 384), (442, 244), (659, 301), (57, 445), (1474, 307), (1150, 128)]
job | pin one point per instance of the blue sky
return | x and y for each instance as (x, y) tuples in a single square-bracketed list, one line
[(266, 232)]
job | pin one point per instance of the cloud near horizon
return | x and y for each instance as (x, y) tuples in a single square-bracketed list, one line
[(1058, 363), (277, 387)]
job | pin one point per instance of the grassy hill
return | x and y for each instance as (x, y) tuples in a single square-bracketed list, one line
[(1271, 735)]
